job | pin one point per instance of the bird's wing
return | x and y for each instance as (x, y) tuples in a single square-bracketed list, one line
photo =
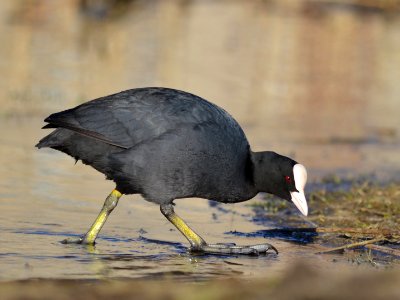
[(134, 116), (85, 132)]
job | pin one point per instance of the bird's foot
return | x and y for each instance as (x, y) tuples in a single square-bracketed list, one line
[(233, 249), (80, 240)]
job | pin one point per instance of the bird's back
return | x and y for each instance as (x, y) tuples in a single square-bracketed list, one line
[(117, 133)]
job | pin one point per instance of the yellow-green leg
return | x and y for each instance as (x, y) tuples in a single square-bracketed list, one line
[(89, 238), (196, 241), (198, 244)]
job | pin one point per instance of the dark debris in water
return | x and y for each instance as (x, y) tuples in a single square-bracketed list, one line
[(296, 235)]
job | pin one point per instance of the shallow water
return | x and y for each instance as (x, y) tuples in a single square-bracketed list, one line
[(46, 198), (302, 90)]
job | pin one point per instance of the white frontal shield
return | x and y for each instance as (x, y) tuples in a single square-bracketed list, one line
[(300, 179)]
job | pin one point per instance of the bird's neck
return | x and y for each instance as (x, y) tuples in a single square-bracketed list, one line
[(263, 167)]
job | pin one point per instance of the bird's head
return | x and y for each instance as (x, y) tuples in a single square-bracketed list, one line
[(281, 176)]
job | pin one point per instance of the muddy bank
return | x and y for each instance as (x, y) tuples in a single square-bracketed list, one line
[(357, 218)]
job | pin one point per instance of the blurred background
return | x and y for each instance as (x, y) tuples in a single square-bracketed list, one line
[(314, 79), (317, 80)]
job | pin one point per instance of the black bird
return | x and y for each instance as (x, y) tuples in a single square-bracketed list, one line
[(167, 144)]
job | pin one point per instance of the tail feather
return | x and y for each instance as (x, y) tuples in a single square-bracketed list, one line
[(54, 139), (90, 151), (49, 126)]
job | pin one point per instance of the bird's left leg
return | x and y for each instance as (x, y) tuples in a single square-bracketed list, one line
[(198, 244), (89, 238)]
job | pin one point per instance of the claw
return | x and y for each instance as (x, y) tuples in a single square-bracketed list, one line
[(233, 249), (263, 248)]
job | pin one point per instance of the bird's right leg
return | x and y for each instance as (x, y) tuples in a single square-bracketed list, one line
[(89, 238), (198, 244), (195, 240)]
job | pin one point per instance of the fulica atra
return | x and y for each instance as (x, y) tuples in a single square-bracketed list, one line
[(167, 144)]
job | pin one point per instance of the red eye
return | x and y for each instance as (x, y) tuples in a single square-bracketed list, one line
[(288, 179)]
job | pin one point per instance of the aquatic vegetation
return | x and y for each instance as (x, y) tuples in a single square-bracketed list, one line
[(354, 217), (367, 208)]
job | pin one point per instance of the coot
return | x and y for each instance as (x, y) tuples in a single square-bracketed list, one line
[(167, 144)]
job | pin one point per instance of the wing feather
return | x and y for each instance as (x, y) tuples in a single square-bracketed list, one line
[(85, 132), (135, 116)]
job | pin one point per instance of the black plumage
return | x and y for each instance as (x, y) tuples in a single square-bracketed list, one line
[(162, 143), (167, 144)]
